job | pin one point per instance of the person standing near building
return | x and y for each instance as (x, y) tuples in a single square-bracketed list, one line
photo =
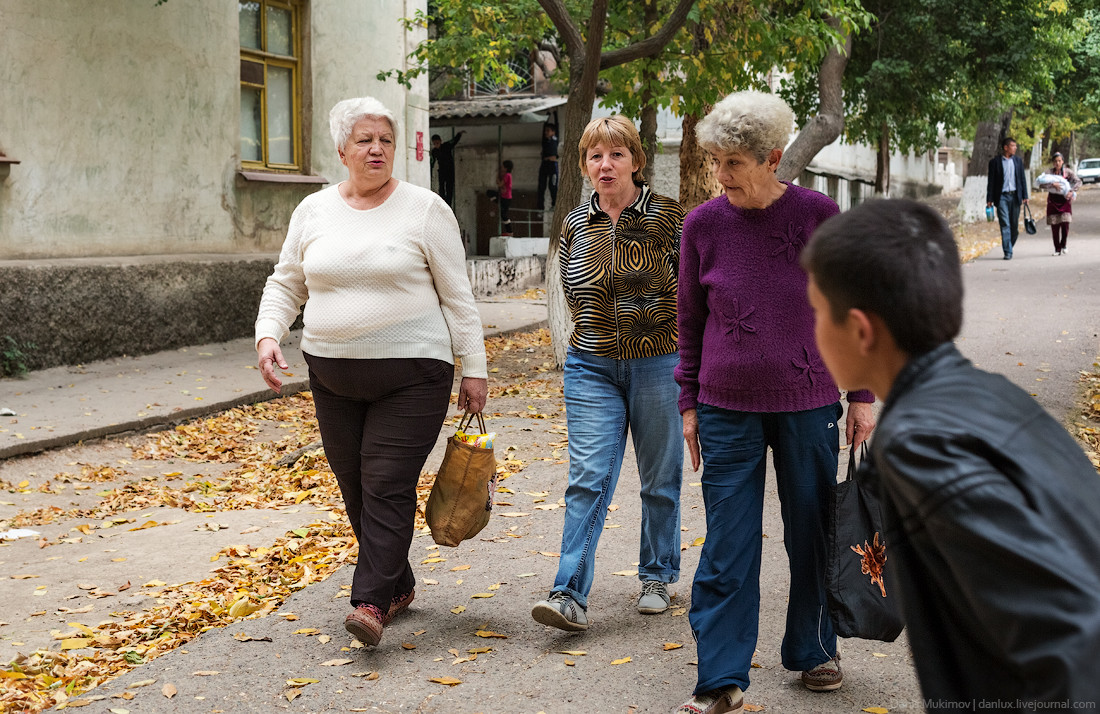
[(1006, 188), (548, 168), (504, 186), (443, 156)]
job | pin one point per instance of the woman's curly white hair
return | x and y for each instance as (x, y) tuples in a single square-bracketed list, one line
[(749, 121), (344, 116)]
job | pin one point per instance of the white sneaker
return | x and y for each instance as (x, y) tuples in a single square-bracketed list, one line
[(560, 611), (654, 598), (1065, 250), (718, 701)]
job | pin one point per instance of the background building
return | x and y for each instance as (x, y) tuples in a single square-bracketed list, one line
[(161, 149)]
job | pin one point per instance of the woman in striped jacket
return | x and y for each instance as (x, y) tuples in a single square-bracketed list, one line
[(619, 254)]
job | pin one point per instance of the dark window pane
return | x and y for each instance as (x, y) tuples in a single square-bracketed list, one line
[(252, 72), (251, 125)]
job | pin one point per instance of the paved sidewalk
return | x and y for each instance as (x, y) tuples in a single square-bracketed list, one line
[(65, 405)]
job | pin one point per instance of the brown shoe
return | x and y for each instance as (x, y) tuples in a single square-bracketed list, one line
[(825, 677), (365, 623), (398, 605), (718, 701)]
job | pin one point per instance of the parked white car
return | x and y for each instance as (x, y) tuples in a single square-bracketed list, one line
[(1089, 170)]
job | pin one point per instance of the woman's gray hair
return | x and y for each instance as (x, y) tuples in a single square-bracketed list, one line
[(348, 112), (752, 122)]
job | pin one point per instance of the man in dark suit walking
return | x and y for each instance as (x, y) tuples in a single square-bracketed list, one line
[(1006, 189)]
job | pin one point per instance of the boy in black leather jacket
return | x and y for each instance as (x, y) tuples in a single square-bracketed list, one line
[(992, 509)]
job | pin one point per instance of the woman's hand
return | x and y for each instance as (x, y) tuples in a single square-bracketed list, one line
[(861, 422), (270, 355), (691, 436), (472, 394)]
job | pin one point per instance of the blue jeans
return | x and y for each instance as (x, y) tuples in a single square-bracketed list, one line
[(725, 598), (1008, 215), (604, 398)]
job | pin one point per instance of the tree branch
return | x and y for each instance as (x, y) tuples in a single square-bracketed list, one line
[(651, 45), (824, 128), (563, 21)]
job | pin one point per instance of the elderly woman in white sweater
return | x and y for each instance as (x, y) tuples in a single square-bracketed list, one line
[(380, 267)]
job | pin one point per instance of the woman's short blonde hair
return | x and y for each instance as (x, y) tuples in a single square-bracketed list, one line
[(344, 116), (613, 131), (752, 122)]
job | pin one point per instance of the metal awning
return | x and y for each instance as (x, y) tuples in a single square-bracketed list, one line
[(492, 111)]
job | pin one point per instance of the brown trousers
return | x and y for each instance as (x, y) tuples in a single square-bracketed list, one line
[(379, 420)]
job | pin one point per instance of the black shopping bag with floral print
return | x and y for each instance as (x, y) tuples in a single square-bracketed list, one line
[(860, 602)]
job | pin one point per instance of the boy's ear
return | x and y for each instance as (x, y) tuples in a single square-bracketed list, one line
[(866, 329)]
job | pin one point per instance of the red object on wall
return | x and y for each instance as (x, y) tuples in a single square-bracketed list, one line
[(419, 146)]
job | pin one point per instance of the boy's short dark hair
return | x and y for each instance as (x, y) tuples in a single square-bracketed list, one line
[(508, 165), (1007, 140), (896, 259), (552, 127), (437, 137)]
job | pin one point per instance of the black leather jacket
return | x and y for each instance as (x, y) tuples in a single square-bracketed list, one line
[(993, 539)]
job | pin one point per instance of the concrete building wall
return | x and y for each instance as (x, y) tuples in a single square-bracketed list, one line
[(126, 119), (128, 226)]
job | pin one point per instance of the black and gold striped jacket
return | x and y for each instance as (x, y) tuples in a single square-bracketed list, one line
[(620, 281)]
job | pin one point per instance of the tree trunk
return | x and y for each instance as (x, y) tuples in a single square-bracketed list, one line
[(697, 181), (586, 57), (1064, 145), (987, 144), (648, 132), (882, 163), (648, 128), (584, 70), (824, 128)]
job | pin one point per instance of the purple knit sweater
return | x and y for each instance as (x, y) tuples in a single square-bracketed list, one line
[(746, 327)]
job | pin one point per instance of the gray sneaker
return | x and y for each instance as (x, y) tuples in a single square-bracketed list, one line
[(654, 598), (560, 611)]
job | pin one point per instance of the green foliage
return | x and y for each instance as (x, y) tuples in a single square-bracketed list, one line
[(1069, 98), (927, 65), (727, 45), (474, 40), (14, 357)]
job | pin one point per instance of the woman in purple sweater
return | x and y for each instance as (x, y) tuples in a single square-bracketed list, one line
[(751, 378)]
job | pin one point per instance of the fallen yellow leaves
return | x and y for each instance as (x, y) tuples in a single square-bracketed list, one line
[(448, 681), (622, 660), (876, 710), (672, 646), (490, 633)]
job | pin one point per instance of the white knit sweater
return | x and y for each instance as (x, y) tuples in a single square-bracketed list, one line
[(386, 282)]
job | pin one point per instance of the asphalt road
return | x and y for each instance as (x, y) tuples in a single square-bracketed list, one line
[(1033, 318)]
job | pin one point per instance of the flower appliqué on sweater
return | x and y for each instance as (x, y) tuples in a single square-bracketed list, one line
[(737, 321), (810, 367), (791, 242)]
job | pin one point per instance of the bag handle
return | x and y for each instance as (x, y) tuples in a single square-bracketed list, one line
[(1028, 209), (468, 421), (852, 461)]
